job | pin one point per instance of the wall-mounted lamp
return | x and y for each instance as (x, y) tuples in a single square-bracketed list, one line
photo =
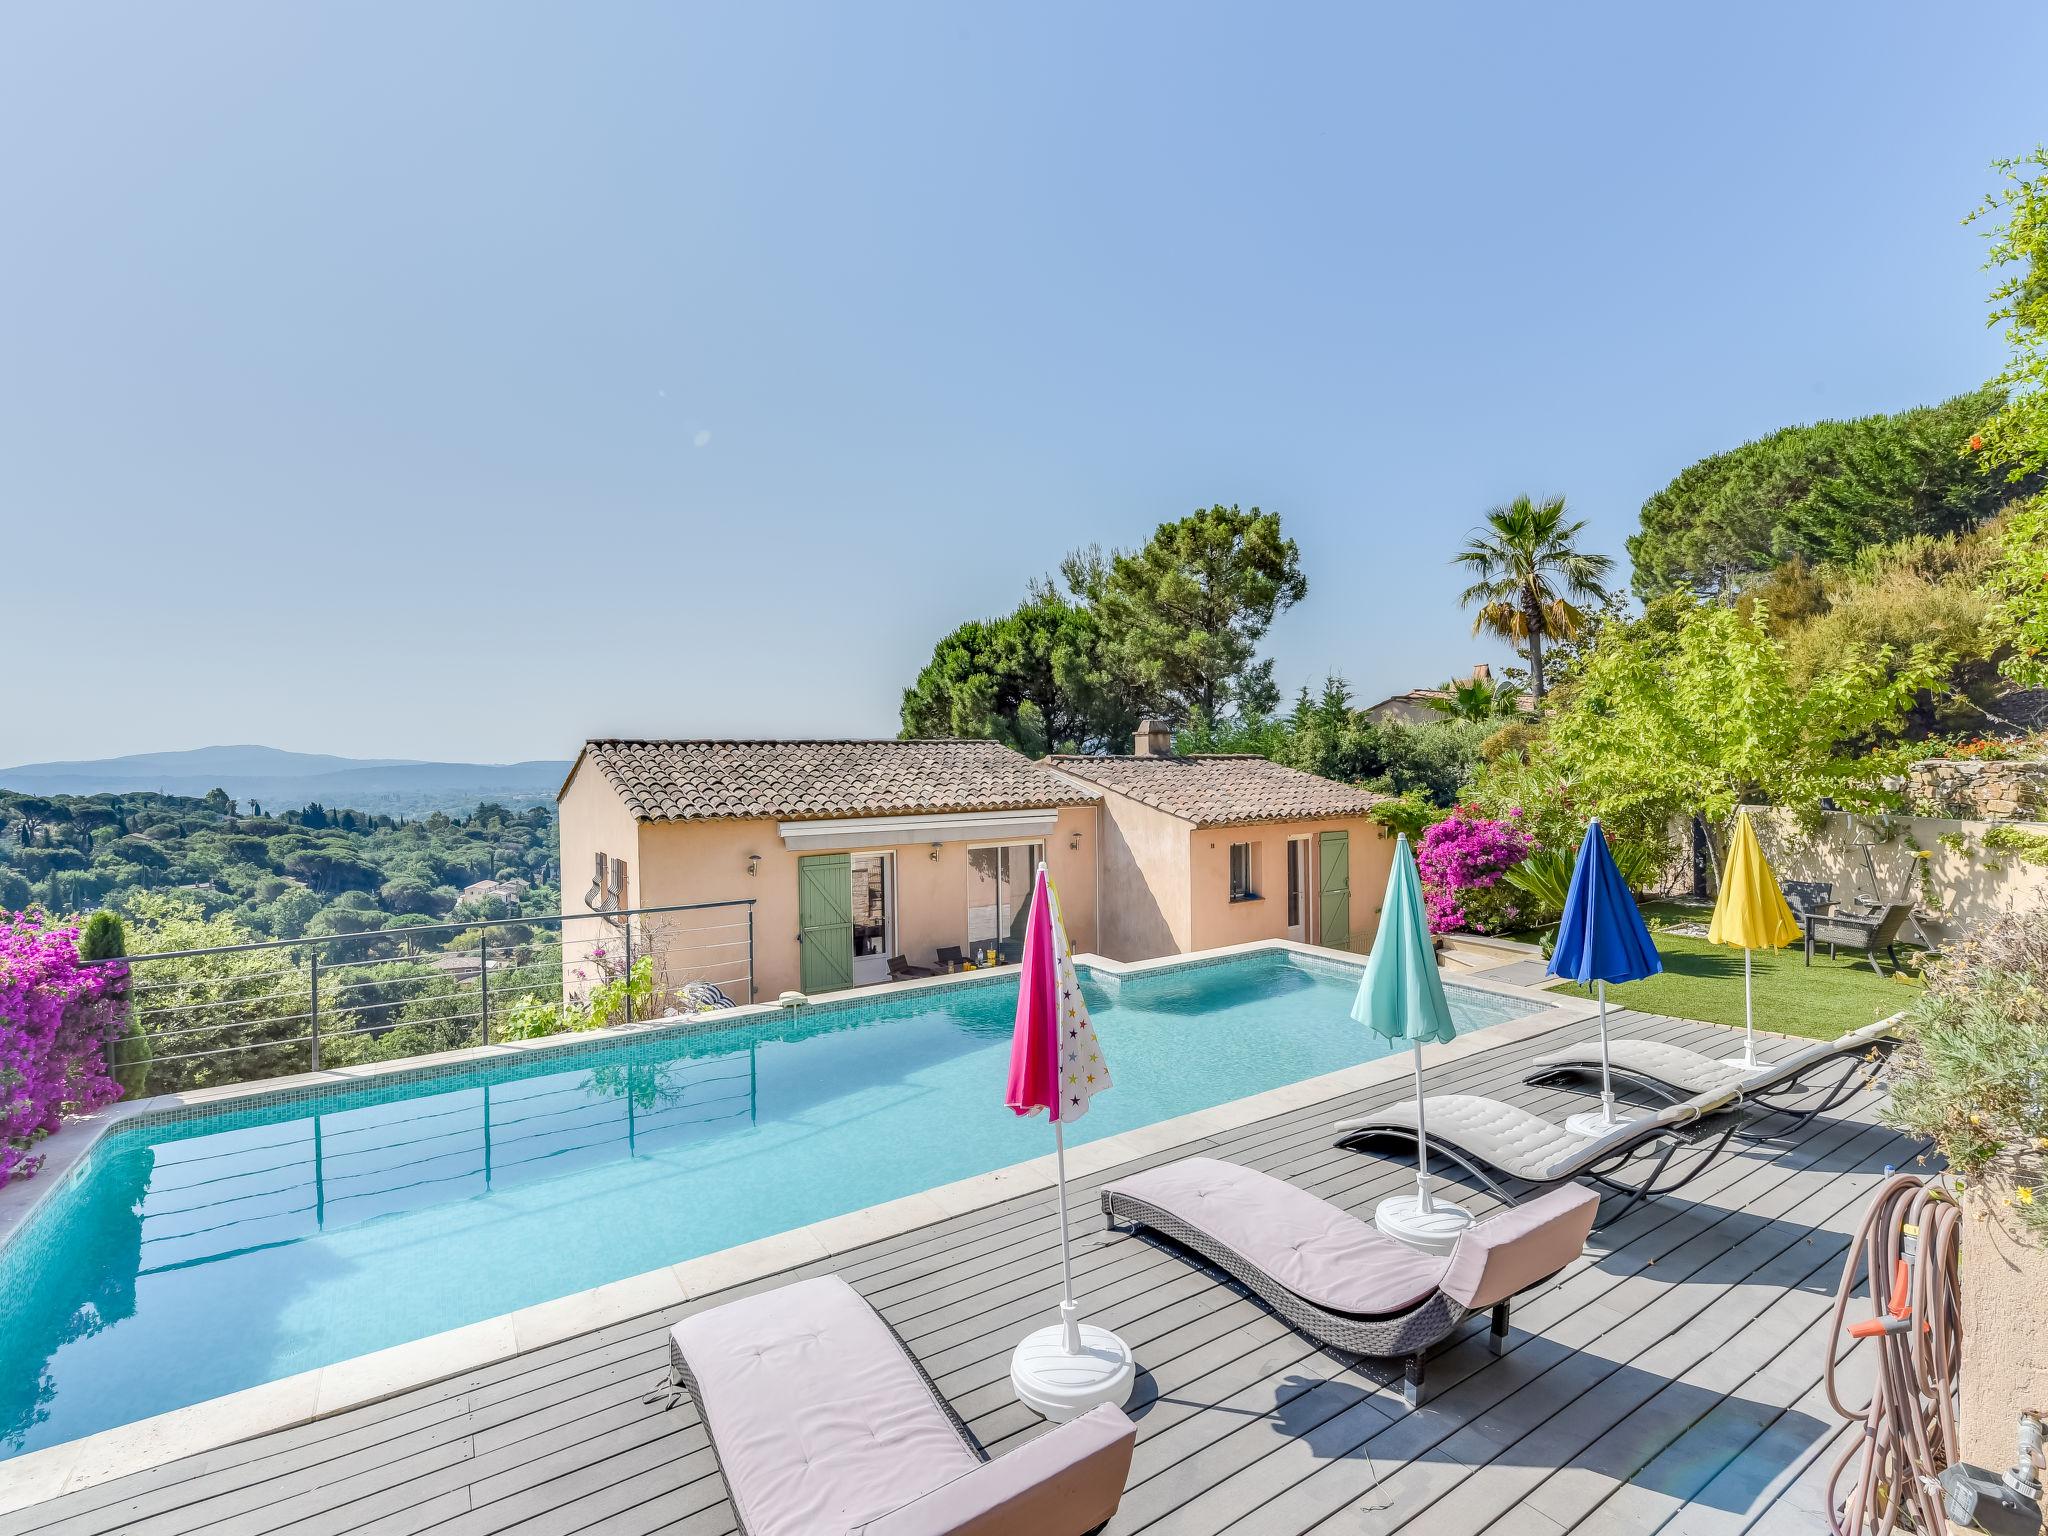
[(753, 864), (1073, 841), (935, 852)]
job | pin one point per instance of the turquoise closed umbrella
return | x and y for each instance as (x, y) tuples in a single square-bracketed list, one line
[(1402, 998)]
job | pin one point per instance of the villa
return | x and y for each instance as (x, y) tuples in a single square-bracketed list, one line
[(867, 859)]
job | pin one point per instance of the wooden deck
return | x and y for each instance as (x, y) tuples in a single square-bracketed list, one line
[(1667, 1382)]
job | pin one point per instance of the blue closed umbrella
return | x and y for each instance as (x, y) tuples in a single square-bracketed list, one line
[(1402, 998), (1601, 938)]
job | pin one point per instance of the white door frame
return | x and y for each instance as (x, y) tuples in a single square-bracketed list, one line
[(868, 969), (1300, 888)]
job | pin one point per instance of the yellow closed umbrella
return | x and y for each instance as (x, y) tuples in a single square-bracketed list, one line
[(1751, 913)]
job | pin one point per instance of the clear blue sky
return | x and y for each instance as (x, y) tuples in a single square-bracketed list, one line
[(461, 380)]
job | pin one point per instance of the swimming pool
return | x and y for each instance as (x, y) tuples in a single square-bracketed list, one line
[(194, 1257)]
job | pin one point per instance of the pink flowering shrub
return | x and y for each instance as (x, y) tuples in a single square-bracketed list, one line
[(57, 1017), (1461, 860)]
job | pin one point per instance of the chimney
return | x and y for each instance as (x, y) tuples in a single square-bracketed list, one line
[(1155, 738), (1483, 672)]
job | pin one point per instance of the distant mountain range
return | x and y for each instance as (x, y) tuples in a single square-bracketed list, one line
[(396, 786)]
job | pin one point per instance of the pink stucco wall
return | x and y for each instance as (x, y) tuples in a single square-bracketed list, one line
[(679, 863), (1216, 920)]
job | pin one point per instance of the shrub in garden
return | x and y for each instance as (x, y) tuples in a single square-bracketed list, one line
[(104, 937), (1969, 1076), (56, 1016), (1462, 860)]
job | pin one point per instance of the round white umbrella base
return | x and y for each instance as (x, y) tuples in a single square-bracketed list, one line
[(1435, 1230), (1061, 1386), (1594, 1123), (1743, 1062)]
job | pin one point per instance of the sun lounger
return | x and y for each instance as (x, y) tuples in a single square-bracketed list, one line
[(1337, 1279), (1674, 1073), (1479, 1134), (825, 1425)]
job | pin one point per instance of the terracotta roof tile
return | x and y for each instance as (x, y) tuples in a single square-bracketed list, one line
[(1218, 790), (816, 780)]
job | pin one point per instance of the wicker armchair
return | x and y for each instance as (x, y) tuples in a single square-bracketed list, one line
[(1868, 931), (1805, 896)]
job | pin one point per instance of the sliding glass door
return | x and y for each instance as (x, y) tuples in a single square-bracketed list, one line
[(874, 915), (999, 897)]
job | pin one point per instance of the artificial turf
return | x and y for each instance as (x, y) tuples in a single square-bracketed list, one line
[(1704, 981)]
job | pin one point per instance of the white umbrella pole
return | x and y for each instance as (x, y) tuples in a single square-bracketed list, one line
[(1422, 1201), (1748, 1017), (1070, 1324), (1606, 1076)]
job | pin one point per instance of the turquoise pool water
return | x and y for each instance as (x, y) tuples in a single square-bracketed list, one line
[(202, 1256)]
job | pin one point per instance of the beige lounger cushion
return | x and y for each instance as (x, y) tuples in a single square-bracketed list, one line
[(819, 1419)]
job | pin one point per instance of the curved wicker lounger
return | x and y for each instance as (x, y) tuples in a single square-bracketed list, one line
[(1335, 1278), (823, 1424), (1479, 1134), (1674, 1073)]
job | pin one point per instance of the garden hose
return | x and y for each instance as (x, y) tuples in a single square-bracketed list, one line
[(1907, 1247)]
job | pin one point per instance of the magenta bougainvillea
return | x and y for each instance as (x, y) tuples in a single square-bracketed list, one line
[(1461, 860), (57, 1016)]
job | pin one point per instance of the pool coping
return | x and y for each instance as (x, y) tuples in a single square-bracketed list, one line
[(315, 1394)]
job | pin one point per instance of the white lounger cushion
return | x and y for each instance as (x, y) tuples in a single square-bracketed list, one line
[(1527, 1145), (1695, 1073), (1653, 1059)]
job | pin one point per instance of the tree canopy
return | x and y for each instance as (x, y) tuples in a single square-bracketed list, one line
[(1172, 629), (1695, 709), (1817, 493), (1035, 679)]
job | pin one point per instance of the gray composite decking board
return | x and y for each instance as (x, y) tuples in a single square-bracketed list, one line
[(1484, 1393), (1491, 1382), (558, 1440)]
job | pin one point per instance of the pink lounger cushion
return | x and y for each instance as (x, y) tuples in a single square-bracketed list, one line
[(1513, 1249), (1331, 1258), (1068, 1480), (818, 1417), (823, 1426)]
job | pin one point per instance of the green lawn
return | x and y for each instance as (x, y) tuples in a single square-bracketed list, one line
[(1704, 981)]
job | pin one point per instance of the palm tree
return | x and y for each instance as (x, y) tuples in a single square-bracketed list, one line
[(1475, 698), (1522, 557)]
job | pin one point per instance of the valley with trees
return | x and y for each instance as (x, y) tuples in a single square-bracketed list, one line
[(307, 871)]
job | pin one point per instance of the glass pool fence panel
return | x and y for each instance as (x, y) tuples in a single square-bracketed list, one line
[(243, 1012)]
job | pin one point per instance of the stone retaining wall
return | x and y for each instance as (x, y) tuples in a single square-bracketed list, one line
[(1973, 790)]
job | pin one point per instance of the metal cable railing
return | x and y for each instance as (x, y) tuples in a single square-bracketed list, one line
[(237, 1012), (318, 1175)]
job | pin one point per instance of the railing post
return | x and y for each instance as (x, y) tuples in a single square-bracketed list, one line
[(483, 981), (626, 923), (750, 950), (313, 1011)]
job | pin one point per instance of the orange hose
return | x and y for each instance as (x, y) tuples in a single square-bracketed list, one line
[(1909, 1423)]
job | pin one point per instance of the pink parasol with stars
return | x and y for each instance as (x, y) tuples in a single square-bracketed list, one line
[(1056, 1067)]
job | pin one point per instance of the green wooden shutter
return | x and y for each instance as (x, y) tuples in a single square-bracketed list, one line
[(1333, 863), (824, 914)]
